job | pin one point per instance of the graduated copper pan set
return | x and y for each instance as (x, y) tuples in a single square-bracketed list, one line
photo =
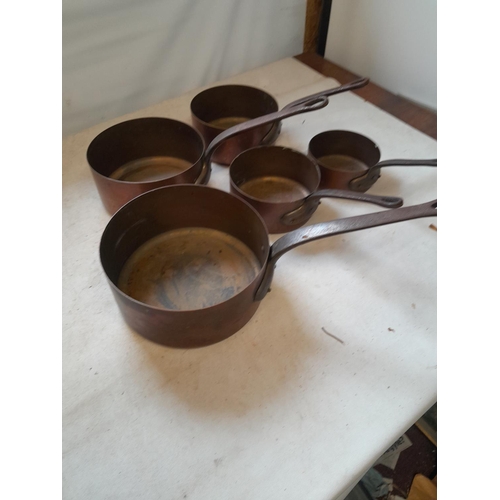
[(189, 264)]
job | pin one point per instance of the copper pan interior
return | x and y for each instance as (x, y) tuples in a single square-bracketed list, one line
[(274, 174), (145, 150), (224, 106), (344, 151), (184, 248)]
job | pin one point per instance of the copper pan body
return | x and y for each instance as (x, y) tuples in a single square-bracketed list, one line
[(175, 208), (136, 156), (219, 108), (342, 156), (188, 265)]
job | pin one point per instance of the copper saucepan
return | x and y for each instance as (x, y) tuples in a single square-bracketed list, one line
[(188, 265), (282, 185), (348, 160), (218, 108), (136, 156)]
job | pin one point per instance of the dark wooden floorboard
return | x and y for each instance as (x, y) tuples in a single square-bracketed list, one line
[(418, 117)]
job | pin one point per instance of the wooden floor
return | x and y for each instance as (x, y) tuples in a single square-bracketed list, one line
[(418, 117)]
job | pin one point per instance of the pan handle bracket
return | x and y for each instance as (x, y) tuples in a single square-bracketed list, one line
[(365, 181), (304, 212)]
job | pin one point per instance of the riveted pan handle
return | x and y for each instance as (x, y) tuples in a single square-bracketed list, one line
[(368, 178), (356, 84), (302, 213), (310, 105), (272, 135), (336, 227)]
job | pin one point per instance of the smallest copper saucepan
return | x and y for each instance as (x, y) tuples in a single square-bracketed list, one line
[(282, 185), (348, 160)]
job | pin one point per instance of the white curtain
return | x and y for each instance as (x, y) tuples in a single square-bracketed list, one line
[(123, 55)]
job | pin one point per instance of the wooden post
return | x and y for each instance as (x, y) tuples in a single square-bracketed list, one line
[(313, 15)]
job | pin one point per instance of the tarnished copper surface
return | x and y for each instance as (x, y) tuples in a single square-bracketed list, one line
[(199, 267)]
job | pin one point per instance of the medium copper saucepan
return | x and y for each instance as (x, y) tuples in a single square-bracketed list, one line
[(282, 185), (188, 265), (219, 108), (136, 156), (348, 160)]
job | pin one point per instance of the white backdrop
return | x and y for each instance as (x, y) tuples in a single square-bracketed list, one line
[(394, 42), (123, 55)]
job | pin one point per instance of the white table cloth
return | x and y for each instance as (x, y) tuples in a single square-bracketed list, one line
[(280, 409)]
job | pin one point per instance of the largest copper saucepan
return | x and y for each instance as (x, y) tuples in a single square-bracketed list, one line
[(188, 265), (218, 108)]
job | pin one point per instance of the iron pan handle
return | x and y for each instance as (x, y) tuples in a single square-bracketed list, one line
[(273, 134), (367, 179), (310, 204), (310, 105), (333, 228), (356, 84)]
